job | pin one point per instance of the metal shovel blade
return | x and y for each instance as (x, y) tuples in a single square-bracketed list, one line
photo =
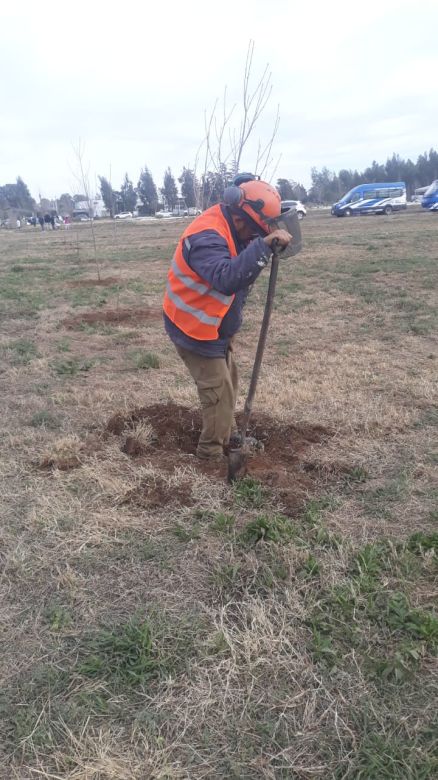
[(237, 464)]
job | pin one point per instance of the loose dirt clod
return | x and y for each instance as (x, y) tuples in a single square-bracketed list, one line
[(115, 316)]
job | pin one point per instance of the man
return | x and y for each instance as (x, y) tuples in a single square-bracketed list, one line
[(218, 257)]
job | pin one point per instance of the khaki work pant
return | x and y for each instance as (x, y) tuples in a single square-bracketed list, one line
[(216, 380)]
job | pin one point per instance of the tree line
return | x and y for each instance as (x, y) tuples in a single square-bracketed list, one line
[(328, 186), (205, 190)]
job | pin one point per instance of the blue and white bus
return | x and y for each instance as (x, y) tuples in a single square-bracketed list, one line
[(430, 198), (376, 198)]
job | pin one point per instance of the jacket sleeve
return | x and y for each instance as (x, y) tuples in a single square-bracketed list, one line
[(208, 255)]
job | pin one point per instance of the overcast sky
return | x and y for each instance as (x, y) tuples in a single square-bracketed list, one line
[(354, 82)]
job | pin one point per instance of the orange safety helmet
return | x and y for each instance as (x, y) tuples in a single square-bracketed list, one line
[(260, 200)]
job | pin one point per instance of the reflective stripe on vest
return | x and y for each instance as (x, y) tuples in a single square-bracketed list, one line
[(200, 315), (199, 287), (189, 302)]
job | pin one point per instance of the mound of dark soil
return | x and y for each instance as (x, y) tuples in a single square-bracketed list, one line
[(282, 466), (176, 427), (114, 316)]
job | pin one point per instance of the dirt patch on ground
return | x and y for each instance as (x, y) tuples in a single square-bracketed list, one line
[(282, 466), (114, 316), (94, 282), (156, 493), (176, 427)]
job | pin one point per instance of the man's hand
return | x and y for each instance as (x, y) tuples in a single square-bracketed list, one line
[(280, 236)]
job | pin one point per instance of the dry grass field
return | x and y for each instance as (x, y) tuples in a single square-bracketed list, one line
[(156, 623)]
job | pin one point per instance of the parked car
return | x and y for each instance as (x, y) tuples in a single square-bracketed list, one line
[(165, 214), (290, 204), (192, 212), (124, 215)]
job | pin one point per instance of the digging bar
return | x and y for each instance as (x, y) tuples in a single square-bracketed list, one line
[(237, 458)]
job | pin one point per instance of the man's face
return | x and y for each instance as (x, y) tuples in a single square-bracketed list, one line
[(244, 231)]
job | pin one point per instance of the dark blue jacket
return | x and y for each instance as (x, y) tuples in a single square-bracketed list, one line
[(210, 258)]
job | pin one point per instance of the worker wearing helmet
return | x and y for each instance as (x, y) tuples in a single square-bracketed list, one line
[(218, 257)]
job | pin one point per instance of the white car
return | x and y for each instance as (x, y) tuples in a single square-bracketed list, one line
[(192, 212), (165, 214), (124, 215), (294, 204)]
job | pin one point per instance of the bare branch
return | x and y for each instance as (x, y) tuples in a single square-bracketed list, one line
[(224, 143), (264, 155), (82, 178)]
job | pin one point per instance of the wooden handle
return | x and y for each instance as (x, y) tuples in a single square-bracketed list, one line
[(261, 343)]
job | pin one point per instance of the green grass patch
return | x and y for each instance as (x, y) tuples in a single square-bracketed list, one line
[(144, 360), (250, 492), (22, 351), (389, 636), (123, 655), (266, 528), (58, 617), (45, 419), (71, 366)]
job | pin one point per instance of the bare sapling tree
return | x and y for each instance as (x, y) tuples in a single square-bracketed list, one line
[(82, 177), (116, 241), (229, 130)]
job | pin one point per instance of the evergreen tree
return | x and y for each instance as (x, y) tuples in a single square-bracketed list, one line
[(66, 204), (108, 195), (128, 195), (24, 198), (17, 196), (286, 189), (189, 187), (169, 190), (375, 173), (393, 168), (147, 191), (213, 184)]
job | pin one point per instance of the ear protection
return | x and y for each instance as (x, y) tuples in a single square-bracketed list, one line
[(235, 196)]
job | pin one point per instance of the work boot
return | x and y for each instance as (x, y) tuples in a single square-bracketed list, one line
[(214, 458)]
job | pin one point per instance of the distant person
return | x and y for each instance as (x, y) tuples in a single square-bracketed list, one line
[(41, 222), (18, 223), (52, 221), (67, 222), (33, 221), (47, 221)]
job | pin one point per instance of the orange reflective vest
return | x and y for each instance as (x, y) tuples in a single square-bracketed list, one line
[(189, 302)]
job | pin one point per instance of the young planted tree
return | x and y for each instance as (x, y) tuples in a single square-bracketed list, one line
[(128, 195), (82, 176), (147, 191), (169, 191), (228, 131)]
